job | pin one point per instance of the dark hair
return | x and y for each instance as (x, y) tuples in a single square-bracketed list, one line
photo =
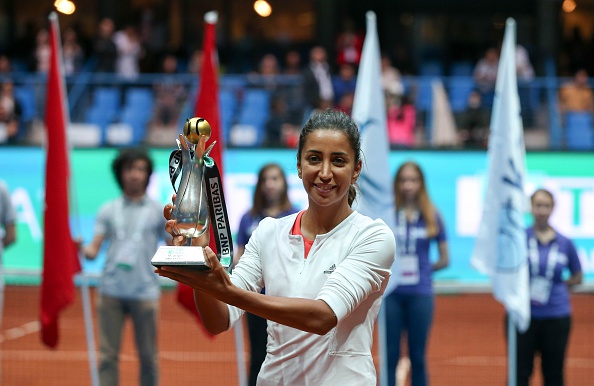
[(126, 158), (333, 120), (544, 191), (259, 197), (425, 205)]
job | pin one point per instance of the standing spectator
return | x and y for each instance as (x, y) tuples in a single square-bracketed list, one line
[(170, 95), (129, 52), (282, 127), (344, 82), (271, 199), (105, 48), (132, 225), (391, 80), (409, 297), (7, 220), (577, 95), (524, 68), (474, 122), (485, 75), (550, 254), (292, 63), (10, 115), (401, 120), (5, 67), (349, 46), (42, 51), (7, 229), (317, 81), (72, 52)]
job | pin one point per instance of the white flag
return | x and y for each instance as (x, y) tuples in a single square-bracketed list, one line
[(500, 249), (369, 111), (443, 125)]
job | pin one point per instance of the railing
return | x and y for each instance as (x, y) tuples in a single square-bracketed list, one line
[(538, 98)]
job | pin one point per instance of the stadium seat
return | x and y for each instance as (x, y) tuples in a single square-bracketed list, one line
[(461, 68), (139, 97), (579, 132), (106, 98), (459, 89), (431, 68), (25, 95)]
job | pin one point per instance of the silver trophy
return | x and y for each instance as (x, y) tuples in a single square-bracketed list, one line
[(190, 208)]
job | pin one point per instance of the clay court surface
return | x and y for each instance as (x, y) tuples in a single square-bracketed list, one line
[(467, 345)]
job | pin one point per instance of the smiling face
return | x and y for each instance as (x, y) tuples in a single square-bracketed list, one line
[(328, 167)]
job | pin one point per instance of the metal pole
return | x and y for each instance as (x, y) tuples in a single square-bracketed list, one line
[(88, 316), (239, 352), (511, 352)]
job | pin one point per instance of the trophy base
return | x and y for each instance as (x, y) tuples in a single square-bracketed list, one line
[(185, 256)]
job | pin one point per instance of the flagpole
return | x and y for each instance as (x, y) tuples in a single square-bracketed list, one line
[(511, 352), (88, 318)]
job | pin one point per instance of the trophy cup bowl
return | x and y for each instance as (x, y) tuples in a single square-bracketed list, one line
[(190, 208)]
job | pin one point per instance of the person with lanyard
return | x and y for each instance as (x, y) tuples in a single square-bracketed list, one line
[(133, 226), (550, 254), (324, 268), (408, 300), (271, 199)]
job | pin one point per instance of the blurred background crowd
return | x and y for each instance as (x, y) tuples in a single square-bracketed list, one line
[(132, 68)]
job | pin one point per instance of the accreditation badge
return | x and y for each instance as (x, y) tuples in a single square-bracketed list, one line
[(408, 270), (540, 290)]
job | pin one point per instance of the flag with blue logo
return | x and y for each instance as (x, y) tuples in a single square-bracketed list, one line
[(500, 250), (369, 111)]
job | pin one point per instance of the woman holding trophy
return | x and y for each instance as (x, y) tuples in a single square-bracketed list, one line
[(324, 268)]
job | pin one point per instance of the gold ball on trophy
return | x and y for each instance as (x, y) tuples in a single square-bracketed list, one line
[(196, 127)]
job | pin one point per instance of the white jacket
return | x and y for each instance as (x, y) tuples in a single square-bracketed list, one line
[(347, 268)]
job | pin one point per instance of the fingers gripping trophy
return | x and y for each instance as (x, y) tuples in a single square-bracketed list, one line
[(199, 202)]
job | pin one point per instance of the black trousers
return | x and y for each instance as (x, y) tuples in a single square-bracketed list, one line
[(549, 337), (258, 338)]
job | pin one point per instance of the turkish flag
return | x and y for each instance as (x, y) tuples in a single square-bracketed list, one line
[(60, 255), (207, 107)]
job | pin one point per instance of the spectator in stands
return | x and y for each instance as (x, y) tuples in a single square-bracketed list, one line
[(195, 63), (524, 69), (72, 52), (10, 115), (345, 104), (317, 81), (42, 51), (129, 52), (349, 46), (408, 298), (474, 122), (577, 95), (267, 73), (391, 80), (5, 67), (344, 82), (170, 95), (7, 228), (132, 225), (401, 119), (485, 74), (282, 127), (292, 65), (550, 254), (271, 199), (104, 48)]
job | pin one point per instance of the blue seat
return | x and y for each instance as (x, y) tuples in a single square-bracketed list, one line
[(257, 99), (459, 88), (579, 131), (431, 68), (137, 120), (106, 98), (25, 95), (424, 94), (140, 97), (461, 68), (228, 109)]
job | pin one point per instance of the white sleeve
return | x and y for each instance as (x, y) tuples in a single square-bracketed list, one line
[(247, 275), (362, 272)]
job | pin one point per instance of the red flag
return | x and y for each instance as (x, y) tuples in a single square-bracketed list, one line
[(207, 107), (60, 257)]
